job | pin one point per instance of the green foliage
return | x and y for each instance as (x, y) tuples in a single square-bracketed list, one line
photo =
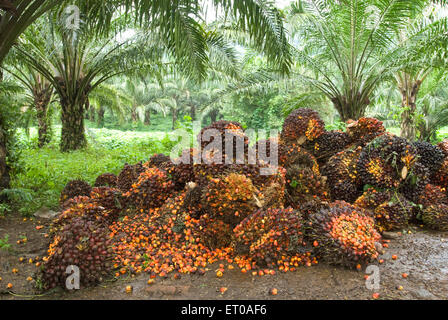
[(4, 243), (46, 171)]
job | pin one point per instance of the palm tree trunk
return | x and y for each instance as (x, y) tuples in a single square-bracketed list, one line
[(193, 112), (101, 112), (213, 115), (41, 102), (174, 118), (409, 94), (147, 117), (92, 114), (4, 167), (350, 110), (72, 135)]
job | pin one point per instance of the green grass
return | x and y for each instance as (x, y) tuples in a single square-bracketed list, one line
[(44, 172)]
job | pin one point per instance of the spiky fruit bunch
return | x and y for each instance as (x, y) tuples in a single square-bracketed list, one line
[(365, 130), (386, 161), (444, 147), (181, 171), (429, 156), (302, 125), (231, 198), (415, 182), (344, 234), (106, 180), (393, 214), (173, 210), (440, 178), (290, 155), (74, 202), (433, 195), (151, 190), (86, 209), (328, 144), (269, 234), (158, 159), (303, 185), (225, 131), (81, 243), (110, 199), (372, 198), (203, 172), (128, 176), (75, 188), (192, 201), (342, 176), (435, 217), (311, 207), (212, 232)]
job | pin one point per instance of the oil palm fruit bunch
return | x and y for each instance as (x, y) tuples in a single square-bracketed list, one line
[(293, 154), (86, 209), (342, 176), (158, 159), (110, 199), (212, 232), (73, 202), (73, 189), (302, 125), (393, 214), (303, 185), (106, 180), (435, 217), (344, 235), (364, 130), (310, 208), (429, 156), (261, 175), (82, 243), (204, 172), (128, 176), (231, 198), (386, 161), (192, 201), (181, 170), (327, 145), (267, 179), (269, 234), (415, 182), (224, 130), (444, 147), (372, 198), (440, 178), (151, 190), (173, 212), (433, 195)]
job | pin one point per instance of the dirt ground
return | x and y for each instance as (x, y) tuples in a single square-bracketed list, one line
[(422, 255)]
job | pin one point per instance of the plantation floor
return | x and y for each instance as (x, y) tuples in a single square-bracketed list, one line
[(422, 255)]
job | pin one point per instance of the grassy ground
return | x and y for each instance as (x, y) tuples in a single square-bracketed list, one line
[(44, 172)]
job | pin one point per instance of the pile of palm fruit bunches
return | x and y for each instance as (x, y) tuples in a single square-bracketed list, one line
[(332, 196)]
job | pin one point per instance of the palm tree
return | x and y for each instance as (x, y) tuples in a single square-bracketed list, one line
[(421, 60), (177, 22), (432, 107), (75, 66), (349, 48), (40, 92)]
